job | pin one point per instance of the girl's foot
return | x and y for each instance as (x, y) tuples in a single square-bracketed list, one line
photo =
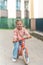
[(14, 60), (27, 60)]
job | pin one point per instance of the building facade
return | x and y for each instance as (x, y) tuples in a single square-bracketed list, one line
[(3, 14), (27, 10), (36, 14), (21, 11), (30, 11)]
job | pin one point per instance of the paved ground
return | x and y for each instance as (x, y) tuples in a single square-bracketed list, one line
[(35, 48)]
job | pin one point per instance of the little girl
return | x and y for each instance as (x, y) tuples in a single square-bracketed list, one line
[(19, 32)]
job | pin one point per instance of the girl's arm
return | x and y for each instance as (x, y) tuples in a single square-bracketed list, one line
[(27, 35), (14, 36)]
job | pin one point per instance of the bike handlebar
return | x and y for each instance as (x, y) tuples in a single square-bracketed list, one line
[(19, 40), (22, 39)]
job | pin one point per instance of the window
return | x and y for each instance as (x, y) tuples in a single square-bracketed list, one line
[(18, 11), (26, 12), (18, 3), (26, 4), (3, 4), (18, 14)]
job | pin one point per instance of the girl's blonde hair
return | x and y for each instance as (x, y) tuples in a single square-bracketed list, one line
[(18, 21)]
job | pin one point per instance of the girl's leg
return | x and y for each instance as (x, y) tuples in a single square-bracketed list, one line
[(15, 50)]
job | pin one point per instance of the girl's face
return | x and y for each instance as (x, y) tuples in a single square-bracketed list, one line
[(19, 25)]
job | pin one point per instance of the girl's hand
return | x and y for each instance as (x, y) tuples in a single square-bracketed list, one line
[(27, 37), (14, 40)]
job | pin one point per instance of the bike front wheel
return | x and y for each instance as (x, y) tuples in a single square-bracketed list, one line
[(25, 57)]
